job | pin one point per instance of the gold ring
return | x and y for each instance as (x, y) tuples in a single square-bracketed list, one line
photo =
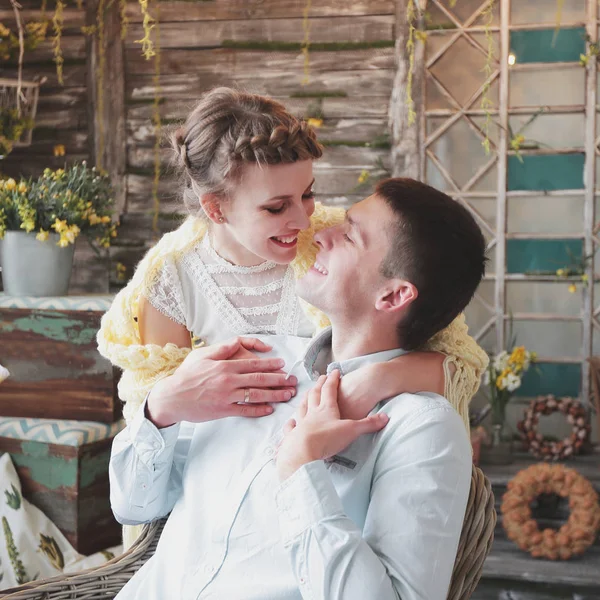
[(246, 395)]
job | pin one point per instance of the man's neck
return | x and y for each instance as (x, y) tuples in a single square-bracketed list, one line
[(351, 340)]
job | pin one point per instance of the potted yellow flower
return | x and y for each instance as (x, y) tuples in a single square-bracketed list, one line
[(503, 377), (40, 221)]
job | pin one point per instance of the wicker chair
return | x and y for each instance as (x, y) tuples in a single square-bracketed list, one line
[(103, 583)]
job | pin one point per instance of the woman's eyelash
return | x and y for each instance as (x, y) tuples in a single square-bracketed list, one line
[(276, 211)]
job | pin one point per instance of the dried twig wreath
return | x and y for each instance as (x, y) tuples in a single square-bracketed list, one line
[(551, 450)]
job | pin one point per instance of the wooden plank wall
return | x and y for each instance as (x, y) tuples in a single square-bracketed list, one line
[(352, 86), (240, 43)]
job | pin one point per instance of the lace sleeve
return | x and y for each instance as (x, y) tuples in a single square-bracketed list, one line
[(166, 293)]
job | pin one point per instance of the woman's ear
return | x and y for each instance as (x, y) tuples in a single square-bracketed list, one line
[(397, 295), (211, 205)]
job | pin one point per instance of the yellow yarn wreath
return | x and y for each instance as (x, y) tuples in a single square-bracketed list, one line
[(575, 536)]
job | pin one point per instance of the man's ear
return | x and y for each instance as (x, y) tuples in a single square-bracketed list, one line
[(211, 205), (397, 295)]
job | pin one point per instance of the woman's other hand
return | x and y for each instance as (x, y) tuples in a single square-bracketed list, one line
[(222, 380)]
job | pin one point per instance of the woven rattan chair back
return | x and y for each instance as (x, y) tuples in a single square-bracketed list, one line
[(475, 539)]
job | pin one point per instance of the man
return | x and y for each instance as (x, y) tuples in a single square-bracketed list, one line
[(304, 503)]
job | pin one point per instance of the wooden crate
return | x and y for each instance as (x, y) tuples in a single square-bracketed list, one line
[(63, 468), (56, 372)]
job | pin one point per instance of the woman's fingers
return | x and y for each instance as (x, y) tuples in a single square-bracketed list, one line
[(254, 344), (289, 426), (303, 406), (314, 396), (258, 365), (329, 393), (264, 380), (259, 396), (251, 411)]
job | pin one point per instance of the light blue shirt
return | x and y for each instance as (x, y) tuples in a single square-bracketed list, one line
[(381, 520)]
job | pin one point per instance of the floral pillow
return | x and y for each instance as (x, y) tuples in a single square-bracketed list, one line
[(31, 546)]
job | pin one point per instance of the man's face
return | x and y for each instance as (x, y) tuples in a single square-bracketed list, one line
[(345, 279)]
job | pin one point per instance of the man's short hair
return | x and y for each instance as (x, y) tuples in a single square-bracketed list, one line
[(437, 246)]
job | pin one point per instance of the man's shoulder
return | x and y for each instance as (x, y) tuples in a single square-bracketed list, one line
[(414, 410), (427, 420)]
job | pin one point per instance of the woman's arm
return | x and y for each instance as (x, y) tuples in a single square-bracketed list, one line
[(451, 364), (146, 469), (414, 372), (157, 328)]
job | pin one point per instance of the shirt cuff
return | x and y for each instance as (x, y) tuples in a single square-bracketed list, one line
[(306, 498), (149, 441)]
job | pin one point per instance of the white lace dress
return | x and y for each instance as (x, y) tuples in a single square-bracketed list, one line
[(216, 300)]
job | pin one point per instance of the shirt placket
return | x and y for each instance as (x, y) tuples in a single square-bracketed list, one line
[(206, 572)]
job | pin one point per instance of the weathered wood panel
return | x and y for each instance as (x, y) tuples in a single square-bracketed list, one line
[(206, 34), (90, 270), (72, 47), (214, 10), (273, 83), (352, 107), (56, 370), (339, 157), (142, 133), (228, 60), (70, 485)]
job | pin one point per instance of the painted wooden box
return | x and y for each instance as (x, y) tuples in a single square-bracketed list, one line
[(49, 347), (63, 468)]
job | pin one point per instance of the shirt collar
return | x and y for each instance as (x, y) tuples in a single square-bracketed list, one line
[(321, 343)]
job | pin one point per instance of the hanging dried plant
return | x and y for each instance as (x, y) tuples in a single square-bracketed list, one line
[(306, 42), (148, 25), (123, 18), (100, 72), (411, 16), (156, 120), (58, 23), (486, 102)]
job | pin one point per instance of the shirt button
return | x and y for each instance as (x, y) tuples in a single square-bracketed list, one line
[(270, 451)]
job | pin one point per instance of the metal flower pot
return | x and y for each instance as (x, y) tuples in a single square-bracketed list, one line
[(34, 268)]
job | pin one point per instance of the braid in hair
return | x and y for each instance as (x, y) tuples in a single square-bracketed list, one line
[(228, 129)]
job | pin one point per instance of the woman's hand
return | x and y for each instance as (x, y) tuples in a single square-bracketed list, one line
[(212, 382), (318, 431), (363, 389)]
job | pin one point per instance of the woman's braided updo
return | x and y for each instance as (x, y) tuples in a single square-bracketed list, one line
[(229, 128)]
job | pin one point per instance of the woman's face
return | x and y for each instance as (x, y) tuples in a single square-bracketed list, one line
[(265, 213)]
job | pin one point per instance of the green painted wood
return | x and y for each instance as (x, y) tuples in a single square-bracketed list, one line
[(70, 485), (547, 46), (56, 369), (546, 172), (551, 378), (527, 256)]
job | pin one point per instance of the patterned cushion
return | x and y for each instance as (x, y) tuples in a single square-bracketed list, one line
[(66, 433), (31, 546), (94, 302)]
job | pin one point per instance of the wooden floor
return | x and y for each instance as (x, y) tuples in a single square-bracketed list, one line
[(510, 574)]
